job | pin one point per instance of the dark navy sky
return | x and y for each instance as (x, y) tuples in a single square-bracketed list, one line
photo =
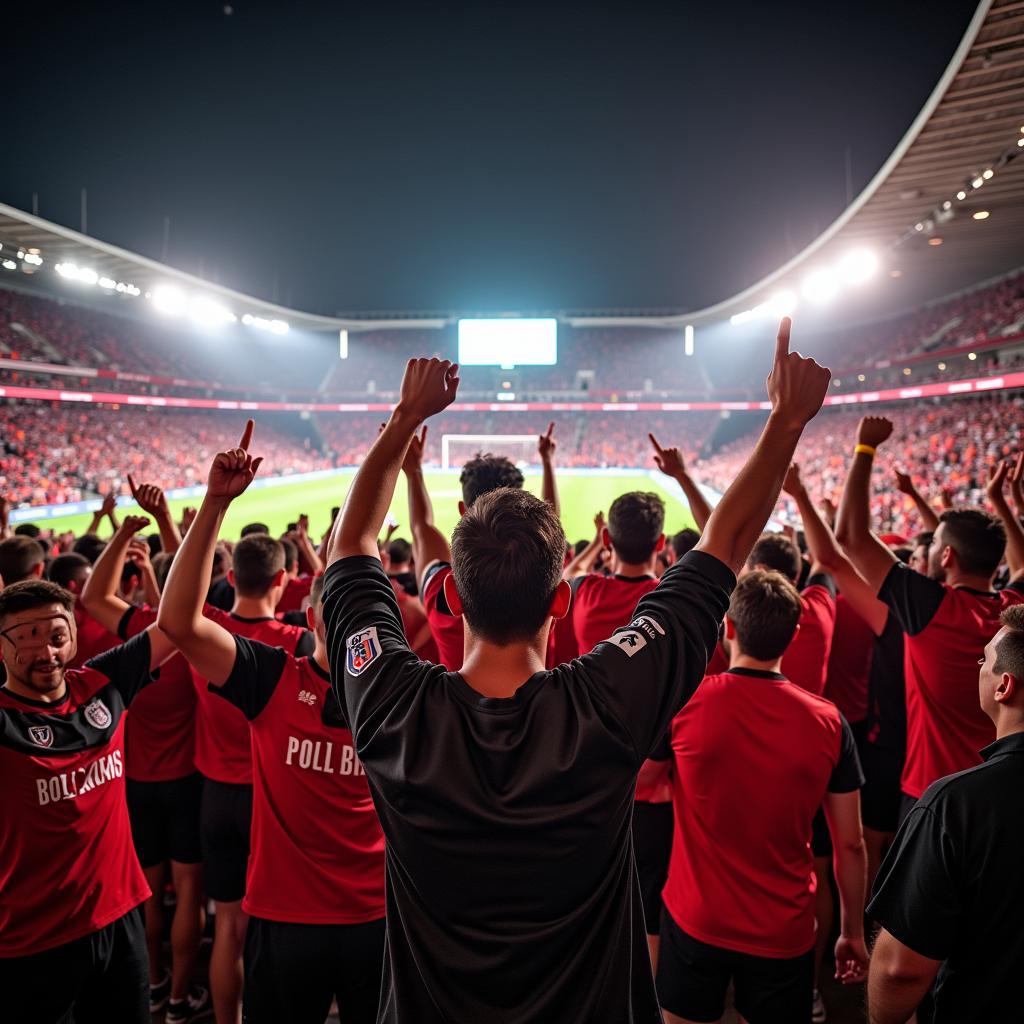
[(490, 156)]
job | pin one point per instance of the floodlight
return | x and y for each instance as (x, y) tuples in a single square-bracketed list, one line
[(87, 275), (987, 174), (978, 182), (858, 266), (209, 313), (782, 303), (741, 318), (961, 194), (820, 287), (169, 300), (980, 215)]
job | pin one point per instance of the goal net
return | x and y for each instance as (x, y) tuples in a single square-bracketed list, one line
[(458, 449)]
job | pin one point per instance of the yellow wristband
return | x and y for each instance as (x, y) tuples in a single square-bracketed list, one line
[(864, 449)]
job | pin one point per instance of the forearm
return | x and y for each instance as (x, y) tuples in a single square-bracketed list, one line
[(170, 538), (105, 578), (307, 550), (850, 864), (549, 489), (695, 497), (421, 510), (181, 605), (741, 515), (821, 542), (1014, 534), (94, 525), (853, 520), (929, 520), (149, 587), (369, 497), (114, 524), (584, 561)]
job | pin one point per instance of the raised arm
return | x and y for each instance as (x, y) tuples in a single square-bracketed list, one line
[(929, 518), (100, 596), (997, 476), (208, 647), (670, 461), (151, 499), (546, 445), (5, 523), (109, 509), (827, 554), (429, 544), (871, 558), (428, 387), (584, 561), (796, 387), (300, 538)]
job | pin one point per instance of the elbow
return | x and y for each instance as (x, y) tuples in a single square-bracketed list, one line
[(176, 628)]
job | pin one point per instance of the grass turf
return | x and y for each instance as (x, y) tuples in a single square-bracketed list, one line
[(581, 498)]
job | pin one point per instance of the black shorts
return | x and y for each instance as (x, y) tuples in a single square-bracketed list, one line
[(99, 978), (226, 820), (652, 848), (694, 977), (293, 971), (880, 796), (821, 838), (165, 820)]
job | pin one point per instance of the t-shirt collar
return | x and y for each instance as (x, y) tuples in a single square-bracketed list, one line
[(756, 673), (1012, 744)]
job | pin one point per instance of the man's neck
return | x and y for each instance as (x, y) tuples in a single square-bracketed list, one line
[(495, 671), (740, 660), (52, 697), (319, 655), (959, 579), (1009, 723), (635, 571), (253, 608)]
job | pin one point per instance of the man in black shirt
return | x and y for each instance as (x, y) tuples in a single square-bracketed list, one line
[(950, 892), (505, 791)]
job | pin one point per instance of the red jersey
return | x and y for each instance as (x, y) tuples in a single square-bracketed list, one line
[(754, 756), (849, 663), (414, 621), (601, 604), (295, 592), (160, 735), (312, 808), (447, 628), (806, 659), (223, 749), (93, 638), (946, 629), (67, 862)]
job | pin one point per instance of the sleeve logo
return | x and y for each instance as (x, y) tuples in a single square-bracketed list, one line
[(634, 638), (97, 715), (363, 650), (41, 735)]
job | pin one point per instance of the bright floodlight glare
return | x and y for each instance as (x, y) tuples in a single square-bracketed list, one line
[(980, 214), (942, 366), (108, 282), (342, 344), (858, 266), (820, 287), (961, 194), (782, 303), (978, 182), (688, 340), (741, 318), (10, 265), (209, 313), (169, 300), (278, 326), (1020, 142), (87, 275), (972, 356), (987, 174), (67, 270)]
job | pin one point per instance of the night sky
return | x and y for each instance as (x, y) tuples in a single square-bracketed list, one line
[(382, 157)]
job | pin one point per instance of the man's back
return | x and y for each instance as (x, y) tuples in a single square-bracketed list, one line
[(512, 893), (754, 756), (601, 603), (806, 660)]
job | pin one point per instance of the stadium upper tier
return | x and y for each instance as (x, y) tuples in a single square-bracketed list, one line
[(45, 342)]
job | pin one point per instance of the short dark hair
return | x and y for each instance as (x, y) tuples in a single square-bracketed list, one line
[(684, 541), (291, 553), (579, 547), (316, 591), (89, 545), (776, 551), (65, 568), (903, 554), (1010, 650), (508, 552), (636, 521), (400, 551), (28, 594), (485, 473), (19, 557), (27, 530), (255, 561), (162, 562), (765, 611), (254, 528), (924, 539), (978, 539)]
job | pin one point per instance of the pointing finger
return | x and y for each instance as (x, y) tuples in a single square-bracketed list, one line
[(782, 341), (247, 435), (654, 441), (131, 486), (551, 427)]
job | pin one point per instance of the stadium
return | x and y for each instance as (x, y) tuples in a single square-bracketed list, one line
[(119, 370)]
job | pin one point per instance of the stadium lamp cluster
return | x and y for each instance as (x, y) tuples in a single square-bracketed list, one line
[(819, 287), (86, 275)]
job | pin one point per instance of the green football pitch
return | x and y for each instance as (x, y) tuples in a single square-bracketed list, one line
[(581, 496)]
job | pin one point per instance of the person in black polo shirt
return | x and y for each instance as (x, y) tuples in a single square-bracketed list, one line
[(950, 892), (505, 791)]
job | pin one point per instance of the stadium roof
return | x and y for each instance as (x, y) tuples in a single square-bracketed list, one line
[(22, 234)]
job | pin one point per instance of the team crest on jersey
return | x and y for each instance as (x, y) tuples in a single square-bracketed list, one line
[(41, 735), (634, 638), (97, 715), (363, 650)]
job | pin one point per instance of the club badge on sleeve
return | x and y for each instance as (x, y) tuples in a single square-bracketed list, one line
[(363, 649)]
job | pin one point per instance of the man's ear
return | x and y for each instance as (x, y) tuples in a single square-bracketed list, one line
[(1006, 689), (462, 508), (280, 578), (660, 546), (561, 601), (231, 578), (311, 618), (451, 595), (37, 570), (730, 629), (948, 557)]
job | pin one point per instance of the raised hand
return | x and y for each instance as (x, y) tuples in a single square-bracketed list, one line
[(599, 523), (669, 460), (109, 504), (232, 471), (873, 430), (997, 474), (904, 484), (413, 460), (304, 523), (188, 514), (148, 497), (793, 485), (546, 444), (428, 387), (1017, 483), (796, 385), (138, 553), (131, 525)]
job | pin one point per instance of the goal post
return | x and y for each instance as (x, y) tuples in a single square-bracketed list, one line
[(457, 449)]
